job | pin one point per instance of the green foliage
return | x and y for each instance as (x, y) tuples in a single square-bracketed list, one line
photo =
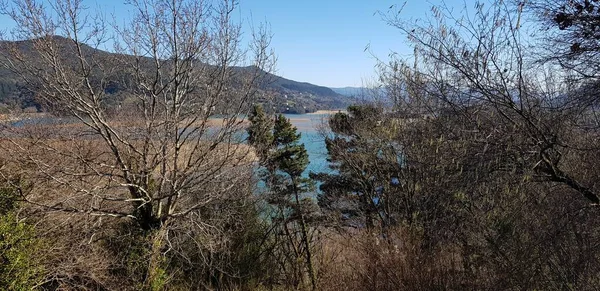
[(250, 248), (290, 156), (21, 265), (285, 160), (358, 117), (364, 162), (259, 132), (284, 132), (159, 278), (8, 201), (277, 144)]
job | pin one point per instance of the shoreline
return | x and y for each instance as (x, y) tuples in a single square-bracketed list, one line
[(329, 111)]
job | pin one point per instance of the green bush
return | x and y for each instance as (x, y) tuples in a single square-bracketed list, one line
[(20, 265)]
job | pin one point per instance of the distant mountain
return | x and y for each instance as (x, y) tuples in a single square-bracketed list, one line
[(281, 95), (350, 91), (301, 97)]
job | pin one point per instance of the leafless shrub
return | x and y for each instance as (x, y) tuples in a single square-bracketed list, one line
[(159, 160)]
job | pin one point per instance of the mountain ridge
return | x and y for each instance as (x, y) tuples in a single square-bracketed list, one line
[(286, 95), (349, 91)]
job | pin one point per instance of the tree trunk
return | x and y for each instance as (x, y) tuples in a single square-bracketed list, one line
[(304, 231)]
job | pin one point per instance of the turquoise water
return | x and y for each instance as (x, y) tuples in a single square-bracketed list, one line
[(309, 125)]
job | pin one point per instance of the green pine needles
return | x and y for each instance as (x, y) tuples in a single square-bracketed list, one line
[(283, 156)]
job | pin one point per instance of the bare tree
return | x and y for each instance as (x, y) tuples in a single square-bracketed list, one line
[(150, 153), (570, 38), (494, 141), (487, 158), (483, 63)]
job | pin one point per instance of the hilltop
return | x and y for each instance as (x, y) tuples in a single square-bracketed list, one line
[(350, 91), (279, 94)]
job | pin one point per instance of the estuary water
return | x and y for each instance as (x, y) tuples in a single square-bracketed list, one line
[(308, 125)]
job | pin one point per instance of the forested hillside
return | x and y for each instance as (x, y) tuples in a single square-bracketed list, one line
[(278, 94)]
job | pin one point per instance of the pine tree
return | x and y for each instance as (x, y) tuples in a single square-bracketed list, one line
[(260, 134), (285, 159), (290, 156), (357, 190)]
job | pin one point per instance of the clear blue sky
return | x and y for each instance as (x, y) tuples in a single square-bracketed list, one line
[(323, 41), (319, 41)]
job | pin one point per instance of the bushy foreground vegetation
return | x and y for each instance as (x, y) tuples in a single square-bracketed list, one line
[(474, 168)]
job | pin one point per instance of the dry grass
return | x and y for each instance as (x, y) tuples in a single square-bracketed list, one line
[(333, 111), (81, 172), (66, 176), (364, 261)]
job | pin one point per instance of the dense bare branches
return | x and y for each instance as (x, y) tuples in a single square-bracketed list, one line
[(177, 59), (483, 64), (137, 138), (485, 161), (570, 34)]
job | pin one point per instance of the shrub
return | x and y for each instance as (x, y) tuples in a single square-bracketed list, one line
[(21, 265)]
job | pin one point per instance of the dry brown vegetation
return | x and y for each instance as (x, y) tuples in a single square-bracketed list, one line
[(478, 172)]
